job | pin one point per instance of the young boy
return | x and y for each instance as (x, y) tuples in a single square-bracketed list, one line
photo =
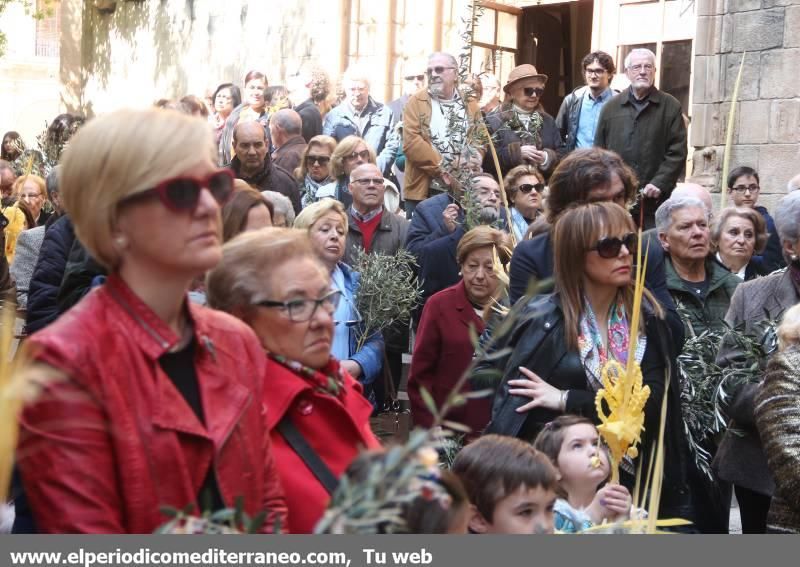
[(510, 484)]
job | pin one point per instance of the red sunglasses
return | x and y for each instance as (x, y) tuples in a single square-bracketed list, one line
[(180, 194)]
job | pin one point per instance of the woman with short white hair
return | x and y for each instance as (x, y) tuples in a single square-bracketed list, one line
[(702, 287), (155, 401)]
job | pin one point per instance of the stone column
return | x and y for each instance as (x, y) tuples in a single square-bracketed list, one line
[(71, 72), (767, 123)]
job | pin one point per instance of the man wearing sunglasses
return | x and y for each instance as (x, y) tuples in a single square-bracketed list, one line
[(253, 164), (491, 94), (413, 80), (577, 117), (646, 127), (434, 122), (522, 132)]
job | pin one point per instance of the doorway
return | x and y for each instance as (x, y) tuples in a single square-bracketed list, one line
[(554, 38)]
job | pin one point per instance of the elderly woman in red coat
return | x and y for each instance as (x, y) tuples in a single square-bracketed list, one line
[(155, 401), (317, 417), (443, 348)]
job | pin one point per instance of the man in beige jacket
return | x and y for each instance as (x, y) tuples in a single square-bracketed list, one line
[(430, 140)]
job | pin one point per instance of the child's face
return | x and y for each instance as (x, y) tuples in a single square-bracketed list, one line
[(576, 461), (524, 511)]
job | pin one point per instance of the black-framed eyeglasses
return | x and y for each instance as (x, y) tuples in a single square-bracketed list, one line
[(302, 310), (439, 69), (363, 154), (367, 181), (745, 188), (414, 77), (531, 91), (597, 72), (528, 187), (610, 247)]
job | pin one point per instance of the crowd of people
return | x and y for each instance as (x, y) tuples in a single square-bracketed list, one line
[(188, 279)]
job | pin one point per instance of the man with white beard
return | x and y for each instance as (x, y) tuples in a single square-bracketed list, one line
[(434, 126), (438, 226)]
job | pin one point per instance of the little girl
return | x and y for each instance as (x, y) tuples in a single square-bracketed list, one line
[(573, 444)]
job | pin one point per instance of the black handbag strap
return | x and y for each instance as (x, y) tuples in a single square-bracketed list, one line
[(300, 446), (388, 383)]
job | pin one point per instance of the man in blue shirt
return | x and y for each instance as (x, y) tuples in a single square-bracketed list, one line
[(577, 117)]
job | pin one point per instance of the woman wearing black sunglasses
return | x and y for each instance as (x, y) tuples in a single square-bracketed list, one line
[(315, 168), (562, 341), (149, 400), (524, 187), (316, 416), (522, 132)]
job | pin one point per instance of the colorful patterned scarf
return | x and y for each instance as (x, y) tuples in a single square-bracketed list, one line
[(592, 352), (327, 380)]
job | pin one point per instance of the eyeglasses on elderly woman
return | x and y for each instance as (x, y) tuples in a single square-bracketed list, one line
[(302, 310)]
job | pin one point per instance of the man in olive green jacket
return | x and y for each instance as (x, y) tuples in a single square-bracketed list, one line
[(645, 126)]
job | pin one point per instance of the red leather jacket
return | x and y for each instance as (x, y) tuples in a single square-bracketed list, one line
[(104, 449)]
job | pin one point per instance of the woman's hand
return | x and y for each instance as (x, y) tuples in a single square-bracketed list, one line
[(612, 503), (353, 368), (542, 394), (533, 155)]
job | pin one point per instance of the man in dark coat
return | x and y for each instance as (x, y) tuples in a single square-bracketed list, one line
[(645, 126), (303, 86), (253, 165), (285, 129), (370, 225), (437, 227), (373, 228)]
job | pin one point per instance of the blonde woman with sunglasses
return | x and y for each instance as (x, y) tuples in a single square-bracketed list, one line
[(149, 400)]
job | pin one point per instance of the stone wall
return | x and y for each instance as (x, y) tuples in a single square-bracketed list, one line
[(142, 51), (767, 121)]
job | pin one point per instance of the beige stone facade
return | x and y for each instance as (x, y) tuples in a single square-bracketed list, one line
[(767, 122), (28, 74), (117, 53)]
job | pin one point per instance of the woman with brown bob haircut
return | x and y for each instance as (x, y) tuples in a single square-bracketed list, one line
[(739, 237), (445, 329), (246, 210), (556, 357)]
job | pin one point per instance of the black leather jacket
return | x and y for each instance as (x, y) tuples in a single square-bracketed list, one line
[(537, 342), (568, 116)]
